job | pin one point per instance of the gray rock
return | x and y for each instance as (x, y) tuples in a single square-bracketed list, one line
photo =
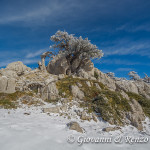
[(18, 67), (61, 76), (8, 73), (3, 84), (88, 83), (11, 84), (58, 65), (103, 78), (75, 126), (84, 116), (50, 92), (108, 129), (83, 74), (124, 95), (77, 93), (97, 86), (136, 116), (128, 86), (87, 66), (143, 88), (7, 85), (63, 108), (51, 79), (79, 84), (51, 110)]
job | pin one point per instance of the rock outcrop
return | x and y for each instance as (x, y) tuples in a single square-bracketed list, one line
[(105, 79), (136, 116), (91, 89), (9, 76), (18, 67)]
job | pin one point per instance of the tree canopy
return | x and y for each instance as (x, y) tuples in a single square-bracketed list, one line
[(133, 75), (75, 48)]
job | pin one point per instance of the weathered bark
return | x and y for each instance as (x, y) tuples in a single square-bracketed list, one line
[(70, 59), (43, 63), (43, 56)]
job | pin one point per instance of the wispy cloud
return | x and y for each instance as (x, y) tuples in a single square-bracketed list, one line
[(116, 62), (126, 47), (25, 56), (124, 69), (36, 53), (25, 61), (35, 12), (133, 27)]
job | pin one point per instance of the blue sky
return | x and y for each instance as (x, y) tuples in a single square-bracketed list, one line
[(121, 28)]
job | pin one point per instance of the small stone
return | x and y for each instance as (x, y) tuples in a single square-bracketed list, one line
[(61, 76), (63, 108), (97, 86), (74, 126), (79, 84), (108, 129), (88, 83), (77, 92), (26, 113), (51, 110)]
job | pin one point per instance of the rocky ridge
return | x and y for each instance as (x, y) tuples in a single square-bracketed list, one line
[(89, 93)]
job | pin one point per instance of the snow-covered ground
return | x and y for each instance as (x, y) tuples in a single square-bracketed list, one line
[(39, 131)]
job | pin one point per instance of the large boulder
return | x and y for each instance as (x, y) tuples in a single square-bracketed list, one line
[(58, 65), (7, 85)]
